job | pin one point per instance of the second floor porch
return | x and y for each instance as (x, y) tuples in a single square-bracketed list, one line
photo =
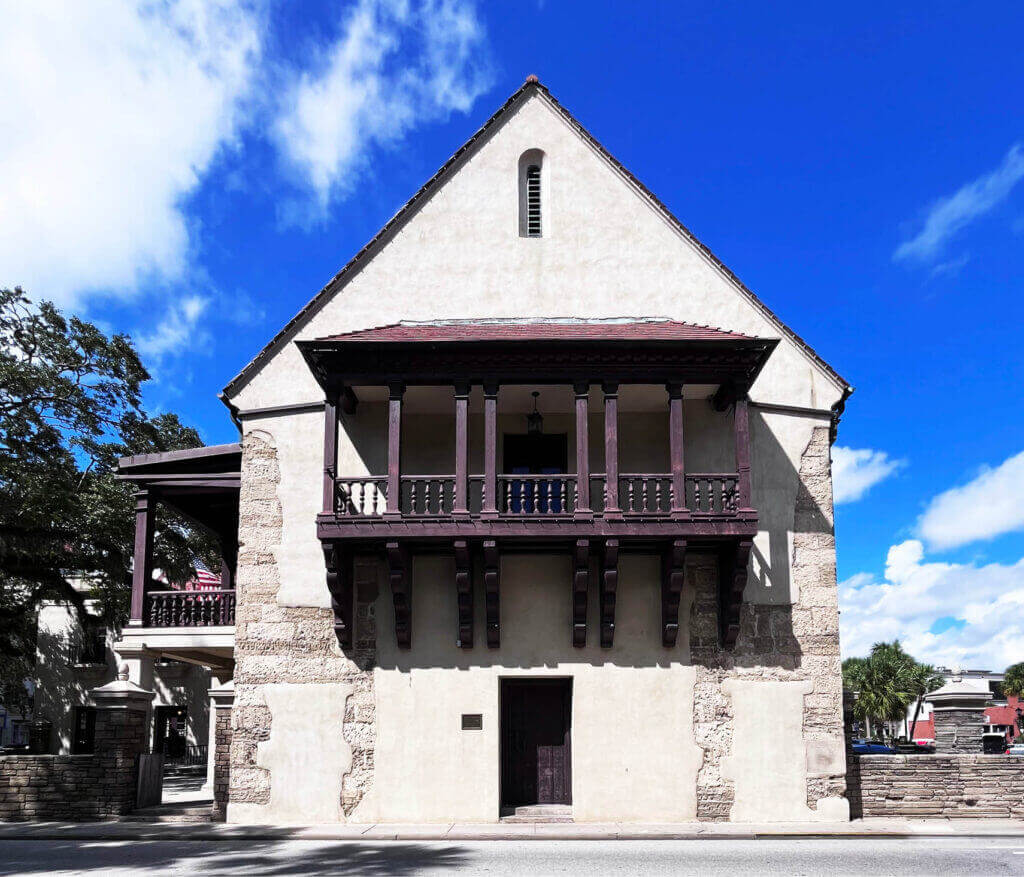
[(537, 437)]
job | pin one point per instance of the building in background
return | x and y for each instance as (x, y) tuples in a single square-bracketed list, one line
[(1003, 716)]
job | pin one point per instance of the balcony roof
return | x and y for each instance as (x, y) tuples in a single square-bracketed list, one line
[(453, 331), (555, 351)]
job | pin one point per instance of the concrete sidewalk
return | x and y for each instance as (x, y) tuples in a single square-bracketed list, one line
[(861, 828)]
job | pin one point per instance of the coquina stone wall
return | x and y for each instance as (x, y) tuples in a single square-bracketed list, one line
[(279, 652), (950, 786), (77, 787), (797, 643)]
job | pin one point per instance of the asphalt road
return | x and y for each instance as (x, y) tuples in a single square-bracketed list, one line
[(962, 855)]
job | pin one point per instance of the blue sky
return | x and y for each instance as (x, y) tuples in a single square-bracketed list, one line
[(194, 172)]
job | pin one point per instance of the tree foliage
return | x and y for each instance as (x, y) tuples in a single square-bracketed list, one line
[(887, 681), (69, 408), (1013, 682)]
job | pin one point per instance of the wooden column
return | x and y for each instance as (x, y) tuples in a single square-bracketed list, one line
[(330, 451), (582, 509), (490, 507), (142, 565), (741, 425), (675, 434), (461, 499), (611, 449), (394, 499)]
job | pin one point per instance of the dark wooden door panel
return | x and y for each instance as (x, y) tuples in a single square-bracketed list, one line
[(536, 754)]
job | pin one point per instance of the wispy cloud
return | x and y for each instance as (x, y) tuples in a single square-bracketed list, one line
[(944, 613), (949, 215), (856, 470), (178, 331), (986, 507), (953, 266), (112, 112), (396, 64)]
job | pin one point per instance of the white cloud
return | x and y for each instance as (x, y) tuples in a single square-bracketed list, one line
[(949, 215), (179, 330), (986, 507), (112, 111), (397, 63), (915, 593), (856, 470)]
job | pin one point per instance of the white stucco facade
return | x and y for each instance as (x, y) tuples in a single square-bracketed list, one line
[(654, 730)]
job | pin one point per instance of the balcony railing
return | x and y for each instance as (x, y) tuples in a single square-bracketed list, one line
[(531, 495), (214, 608)]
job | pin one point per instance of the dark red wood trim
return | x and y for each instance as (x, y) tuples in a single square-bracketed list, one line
[(582, 389), (741, 422), (611, 448), (330, 452), (565, 528), (609, 587), (464, 592), (461, 498), (401, 591), (489, 508), (492, 592), (735, 561), (338, 562), (580, 589), (348, 401), (142, 561), (673, 575), (358, 363), (394, 497), (675, 433)]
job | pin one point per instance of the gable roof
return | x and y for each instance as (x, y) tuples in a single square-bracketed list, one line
[(530, 87), (444, 331)]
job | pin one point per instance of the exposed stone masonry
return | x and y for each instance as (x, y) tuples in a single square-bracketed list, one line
[(781, 642), (275, 644), (221, 763), (951, 786), (78, 787)]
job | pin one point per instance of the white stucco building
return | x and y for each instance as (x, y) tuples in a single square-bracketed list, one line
[(532, 507)]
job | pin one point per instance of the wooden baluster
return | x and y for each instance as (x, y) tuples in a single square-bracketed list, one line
[(725, 498), (696, 494), (507, 487), (643, 495), (657, 494), (629, 502), (563, 495)]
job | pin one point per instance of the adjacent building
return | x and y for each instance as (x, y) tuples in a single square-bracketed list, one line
[(531, 507)]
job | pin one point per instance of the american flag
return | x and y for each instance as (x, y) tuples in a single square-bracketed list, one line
[(204, 579)]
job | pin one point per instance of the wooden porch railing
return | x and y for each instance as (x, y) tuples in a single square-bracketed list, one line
[(556, 494), (190, 608)]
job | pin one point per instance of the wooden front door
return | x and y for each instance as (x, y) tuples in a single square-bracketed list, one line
[(535, 741)]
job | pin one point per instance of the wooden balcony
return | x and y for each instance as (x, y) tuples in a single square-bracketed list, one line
[(560, 505)]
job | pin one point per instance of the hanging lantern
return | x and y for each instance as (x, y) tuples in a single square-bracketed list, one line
[(534, 420)]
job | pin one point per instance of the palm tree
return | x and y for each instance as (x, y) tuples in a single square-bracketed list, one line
[(927, 679), (887, 682), (1013, 684)]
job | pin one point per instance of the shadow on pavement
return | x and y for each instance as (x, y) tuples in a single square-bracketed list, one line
[(226, 857)]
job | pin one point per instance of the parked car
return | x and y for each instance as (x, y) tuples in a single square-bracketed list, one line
[(1016, 749), (871, 747)]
